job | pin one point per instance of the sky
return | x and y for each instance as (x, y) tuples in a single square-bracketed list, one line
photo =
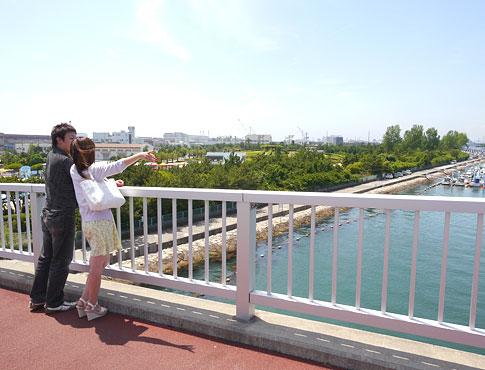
[(233, 67)]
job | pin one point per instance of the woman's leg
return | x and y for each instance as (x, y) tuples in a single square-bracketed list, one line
[(93, 282), (85, 294)]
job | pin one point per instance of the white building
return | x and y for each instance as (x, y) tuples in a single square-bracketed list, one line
[(334, 140), (176, 138), (106, 151), (258, 139), (101, 137), (180, 138), (121, 137)]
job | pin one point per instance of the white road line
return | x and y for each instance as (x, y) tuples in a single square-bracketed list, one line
[(371, 351), (346, 345), (427, 363)]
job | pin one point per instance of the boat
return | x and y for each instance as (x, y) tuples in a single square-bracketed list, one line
[(446, 181), (460, 181), (475, 181)]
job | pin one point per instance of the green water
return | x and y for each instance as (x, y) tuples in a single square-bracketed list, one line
[(459, 269), (459, 266)]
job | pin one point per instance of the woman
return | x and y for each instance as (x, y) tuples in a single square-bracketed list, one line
[(98, 226)]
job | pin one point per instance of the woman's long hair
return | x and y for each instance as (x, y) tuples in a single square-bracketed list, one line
[(83, 154)]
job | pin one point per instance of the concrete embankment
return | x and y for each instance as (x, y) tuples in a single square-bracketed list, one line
[(280, 221)]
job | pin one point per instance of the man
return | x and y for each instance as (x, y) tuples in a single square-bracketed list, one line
[(57, 220)]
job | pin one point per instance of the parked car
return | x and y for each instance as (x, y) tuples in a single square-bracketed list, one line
[(398, 174), (388, 176), (407, 172)]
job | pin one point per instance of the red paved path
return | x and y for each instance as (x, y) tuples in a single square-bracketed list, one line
[(63, 341)]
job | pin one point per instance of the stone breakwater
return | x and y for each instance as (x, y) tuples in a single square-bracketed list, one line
[(280, 226)]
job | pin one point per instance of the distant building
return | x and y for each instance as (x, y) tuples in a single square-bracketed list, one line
[(334, 140), (106, 151), (226, 140), (101, 137), (180, 138), (221, 157), (198, 140), (9, 141), (156, 142), (258, 139), (121, 137), (175, 138), (24, 147)]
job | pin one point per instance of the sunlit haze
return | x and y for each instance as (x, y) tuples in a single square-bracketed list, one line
[(228, 67)]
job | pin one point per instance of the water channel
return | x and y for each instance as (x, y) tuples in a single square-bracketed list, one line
[(459, 268)]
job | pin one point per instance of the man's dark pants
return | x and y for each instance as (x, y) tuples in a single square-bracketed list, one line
[(53, 266)]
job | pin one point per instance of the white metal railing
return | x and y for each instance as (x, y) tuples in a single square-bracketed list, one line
[(244, 293)]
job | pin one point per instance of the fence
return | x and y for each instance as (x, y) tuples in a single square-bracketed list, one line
[(244, 293)]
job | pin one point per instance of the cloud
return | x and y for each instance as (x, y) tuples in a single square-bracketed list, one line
[(149, 29)]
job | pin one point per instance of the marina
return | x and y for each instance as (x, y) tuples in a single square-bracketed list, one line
[(473, 176)]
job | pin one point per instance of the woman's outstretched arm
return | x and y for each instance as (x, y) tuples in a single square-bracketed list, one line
[(147, 156)]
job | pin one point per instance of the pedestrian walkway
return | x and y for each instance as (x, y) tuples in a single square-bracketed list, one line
[(64, 341), (144, 325)]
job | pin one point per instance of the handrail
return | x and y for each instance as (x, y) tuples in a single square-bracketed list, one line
[(244, 293)]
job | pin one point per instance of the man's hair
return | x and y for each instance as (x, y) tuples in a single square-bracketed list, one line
[(83, 154), (60, 131)]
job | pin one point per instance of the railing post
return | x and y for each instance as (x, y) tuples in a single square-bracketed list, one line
[(246, 246), (37, 202)]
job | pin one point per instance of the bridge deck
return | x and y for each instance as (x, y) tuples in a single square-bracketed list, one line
[(64, 341)]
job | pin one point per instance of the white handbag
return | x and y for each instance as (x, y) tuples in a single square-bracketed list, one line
[(102, 195)]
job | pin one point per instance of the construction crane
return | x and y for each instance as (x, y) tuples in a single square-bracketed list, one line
[(244, 127), (304, 136)]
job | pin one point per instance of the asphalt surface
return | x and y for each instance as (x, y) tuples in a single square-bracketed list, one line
[(64, 341)]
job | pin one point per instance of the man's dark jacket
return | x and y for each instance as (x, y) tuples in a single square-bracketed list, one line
[(58, 180)]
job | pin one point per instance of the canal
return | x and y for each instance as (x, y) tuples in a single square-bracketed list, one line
[(459, 268)]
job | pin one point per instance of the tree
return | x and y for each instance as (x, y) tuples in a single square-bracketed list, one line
[(392, 137), (373, 164), (413, 138), (8, 157), (454, 140), (431, 139), (35, 149), (13, 166)]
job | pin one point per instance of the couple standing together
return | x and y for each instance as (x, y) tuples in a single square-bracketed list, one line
[(71, 161)]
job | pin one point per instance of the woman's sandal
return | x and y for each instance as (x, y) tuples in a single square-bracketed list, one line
[(81, 307), (95, 311)]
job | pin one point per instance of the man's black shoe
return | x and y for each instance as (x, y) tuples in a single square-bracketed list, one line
[(36, 306), (66, 306)]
